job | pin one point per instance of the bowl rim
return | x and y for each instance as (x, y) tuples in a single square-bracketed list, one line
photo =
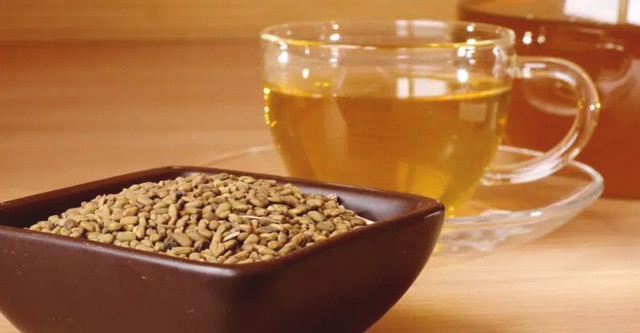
[(424, 206), (581, 198)]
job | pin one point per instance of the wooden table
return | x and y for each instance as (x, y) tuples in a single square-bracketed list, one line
[(71, 113)]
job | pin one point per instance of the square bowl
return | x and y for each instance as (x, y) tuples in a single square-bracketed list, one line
[(54, 283)]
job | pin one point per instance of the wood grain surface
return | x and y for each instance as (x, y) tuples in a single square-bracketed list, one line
[(189, 19), (73, 112)]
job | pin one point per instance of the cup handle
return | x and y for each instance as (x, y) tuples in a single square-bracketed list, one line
[(579, 134)]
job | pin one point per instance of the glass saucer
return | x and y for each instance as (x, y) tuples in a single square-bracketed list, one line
[(497, 217)]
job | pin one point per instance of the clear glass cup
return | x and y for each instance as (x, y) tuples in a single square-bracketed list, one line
[(412, 106)]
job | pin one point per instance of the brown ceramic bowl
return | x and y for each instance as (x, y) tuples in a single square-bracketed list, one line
[(55, 284)]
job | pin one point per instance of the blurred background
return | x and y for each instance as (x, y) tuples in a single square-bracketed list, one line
[(188, 19), (90, 89)]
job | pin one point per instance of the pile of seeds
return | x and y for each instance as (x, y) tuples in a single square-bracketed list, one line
[(217, 218)]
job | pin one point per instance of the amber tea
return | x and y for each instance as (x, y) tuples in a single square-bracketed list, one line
[(437, 146)]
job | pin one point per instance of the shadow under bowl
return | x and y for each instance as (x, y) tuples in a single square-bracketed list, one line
[(53, 283)]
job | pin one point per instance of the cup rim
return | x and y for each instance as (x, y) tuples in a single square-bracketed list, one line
[(277, 34)]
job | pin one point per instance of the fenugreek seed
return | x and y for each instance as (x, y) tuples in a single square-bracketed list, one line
[(116, 214), (207, 195), (246, 261), (287, 248), (155, 237), (274, 245), (192, 210), (252, 239), (204, 232), (319, 238), (287, 190), (230, 244), (69, 223), (269, 236), (76, 232), (297, 210), (223, 210), (230, 260), (290, 200), (159, 211), (129, 220), (326, 226), (264, 249), (182, 239), (276, 226), (36, 227), (64, 231), (314, 202), (145, 201), (201, 245), (213, 225), (146, 242), (180, 250), (267, 257), (242, 236), (139, 231), (316, 216), (207, 213), (297, 240), (282, 237), (234, 218), (258, 203), (217, 236), (209, 258), (106, 238), (87, 226), (240, 207), (247, 179), (125, 236), (194, 204), (244, 228), (131, 211), (172, 211), (194, 235), (94, 236), (216, 248), (357, 222), (266, 230), (144, 248), (242, 255), (202, 223), (332, 212), (195, 256)]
